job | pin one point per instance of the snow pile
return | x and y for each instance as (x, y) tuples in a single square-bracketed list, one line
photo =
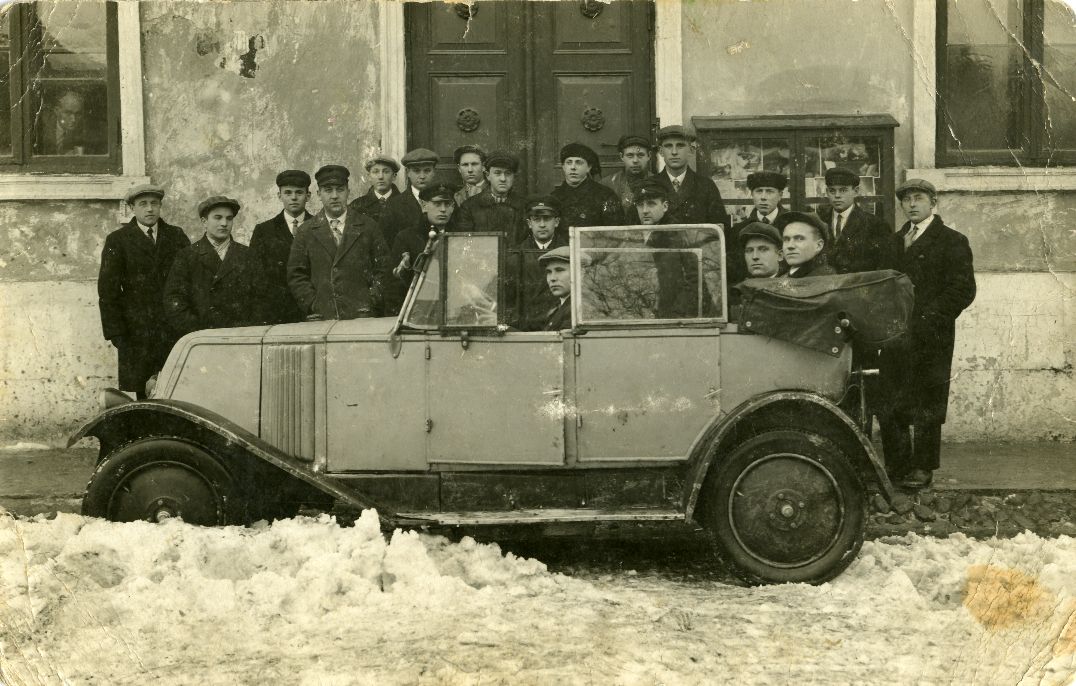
[(307, 602)]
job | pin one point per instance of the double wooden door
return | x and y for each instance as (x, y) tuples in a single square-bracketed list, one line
[(529, 77)]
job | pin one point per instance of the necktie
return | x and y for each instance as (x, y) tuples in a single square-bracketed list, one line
[(149, 232), (837, 228), (909, 237), (338, 235), (676, 186), (294, 226), (382, 202)]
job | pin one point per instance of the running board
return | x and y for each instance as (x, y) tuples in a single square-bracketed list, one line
[(496, 518)]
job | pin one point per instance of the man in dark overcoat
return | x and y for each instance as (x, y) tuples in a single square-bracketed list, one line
[(635, 155), (584, 201), (404, 211), (215, 283), (499, 206), (381, 170), (859, 241), (915, 376), (558, 274), (767, 188), (692, 198), (438, 200), (526, 289), (339, 260), (134, 266), (271, 243)]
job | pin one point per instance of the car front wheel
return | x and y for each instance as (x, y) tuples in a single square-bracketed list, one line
[(787, 506)]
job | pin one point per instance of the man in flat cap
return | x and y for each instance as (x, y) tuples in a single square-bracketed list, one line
[(271, 242), (584, 201), (766, 188), (134, 266), (915, 377), (339, 260), (499, 207), (760, 247), (558, 276), (860, 242), (635, 156), (692, 199), (215, 282), (381, 170), (439, 207), (803, 240), (471, 163), (404, 211)]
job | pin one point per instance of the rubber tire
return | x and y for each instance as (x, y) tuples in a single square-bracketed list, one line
[(817, 452), (208, 496)]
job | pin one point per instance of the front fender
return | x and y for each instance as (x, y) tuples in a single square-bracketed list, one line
[(811, 411)]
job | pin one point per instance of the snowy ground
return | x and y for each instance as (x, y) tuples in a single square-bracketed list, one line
[(308, 602)]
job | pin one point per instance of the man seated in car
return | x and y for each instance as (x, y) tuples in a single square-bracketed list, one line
[(803, 240), (439, 206), (761, 250), (558, 276), (527, 278)]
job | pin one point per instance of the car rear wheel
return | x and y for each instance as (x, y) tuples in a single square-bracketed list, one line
[(156, 479), (787, 507)]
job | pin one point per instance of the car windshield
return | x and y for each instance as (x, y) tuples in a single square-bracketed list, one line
[(648, 274), (459, 285)]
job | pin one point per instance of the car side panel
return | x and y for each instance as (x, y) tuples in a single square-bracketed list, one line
[(221, 376), (759, 364)]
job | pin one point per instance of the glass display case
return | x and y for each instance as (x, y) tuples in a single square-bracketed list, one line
[(802, 148)]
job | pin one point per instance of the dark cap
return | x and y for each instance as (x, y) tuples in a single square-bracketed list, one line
[(562, 253), (811, 218), (382, 159), (464, 149), (502, 159), (630, 139), (761, 230), (675, 131), (648, 188), (144, 189), (839, 176), (543, 204), (420, 156), (766, 179), (293, 177), (217, 201), (440, 188), (332, 174), (580, 150), (917, 185)]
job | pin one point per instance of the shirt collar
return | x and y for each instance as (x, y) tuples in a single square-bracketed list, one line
[(415, 192), (844, 214), (145, 229), (680, 178), (290, 218), (921, 226), (386, 196), (768, 218), (342, 218), (543, 246)]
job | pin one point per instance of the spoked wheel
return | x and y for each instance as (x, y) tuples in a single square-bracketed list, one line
[(787, 507), (157, 479)]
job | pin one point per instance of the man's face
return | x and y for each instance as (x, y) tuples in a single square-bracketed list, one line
[(334, 198), (69, 111), (294, 199), (766, 199), (763, 258), (802, 243), (439, 210), (636, 159), (651, 210), (576, 170), (471, 168), (218, 223), (147, 209), (420, 175), (675, 152), (501, 180), (543, 225), (381, 177), (841, 197), (559, 277), (917, 205)]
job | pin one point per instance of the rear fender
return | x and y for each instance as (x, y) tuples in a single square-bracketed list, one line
[(784, 410)]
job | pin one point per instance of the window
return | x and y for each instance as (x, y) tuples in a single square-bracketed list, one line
[(459, 287), (60, 99), (1006, 83)]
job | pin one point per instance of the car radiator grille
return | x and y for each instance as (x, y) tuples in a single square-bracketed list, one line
[(288, 399)]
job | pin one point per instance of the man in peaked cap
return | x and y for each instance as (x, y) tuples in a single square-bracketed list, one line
[(271, 242), (215, 283), (766, 188), (135, 263), (803, 241), (526, 291), (404, 211), (471, 163), (499, 207), (439, 206), (692, 199), (759, 249), (584, 201), (381, 171), (339, 260), (860, 241), (635, 156)]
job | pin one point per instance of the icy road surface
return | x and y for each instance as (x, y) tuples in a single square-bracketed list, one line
[(308, 602)]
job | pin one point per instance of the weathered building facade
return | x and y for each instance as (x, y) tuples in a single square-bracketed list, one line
[(213, 98)]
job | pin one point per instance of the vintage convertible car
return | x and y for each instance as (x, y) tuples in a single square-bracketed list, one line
[(654, 407)]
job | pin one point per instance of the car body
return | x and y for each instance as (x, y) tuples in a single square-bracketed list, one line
[(447, 416)]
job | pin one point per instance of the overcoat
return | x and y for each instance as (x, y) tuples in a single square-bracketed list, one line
[(204, 292), (588, 204), (271, 243), (369, 204), (483, 213), (402, 212), (698, 202), (526, 290), (339, 282), (915, 376), (621, 183), (818, 266), (865, 244), (130, 287), (560, 317)]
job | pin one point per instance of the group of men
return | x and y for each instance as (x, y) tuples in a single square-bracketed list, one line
[(356, 257)]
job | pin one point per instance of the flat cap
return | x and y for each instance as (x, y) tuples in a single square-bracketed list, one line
[(332, 173), (916, 185), (293, 177), (582, 151), (762, 230), (382, 159), (459, 152), (144, 189), (420, 156), (440, 188), (502, 159), (647, 188), (767, 179), (632, 139), (839, 176), (543, 204), (811, 218), (217, 201), (564, 254), (675, 131)]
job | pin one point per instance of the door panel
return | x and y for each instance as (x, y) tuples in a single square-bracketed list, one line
[(645, 395)]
